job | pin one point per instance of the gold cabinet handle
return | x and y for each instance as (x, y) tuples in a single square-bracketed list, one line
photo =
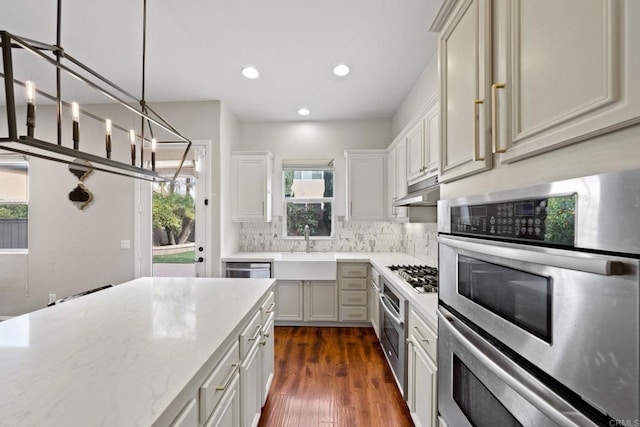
[(255, 336), (234, 369), (494, 117), (476, 130)]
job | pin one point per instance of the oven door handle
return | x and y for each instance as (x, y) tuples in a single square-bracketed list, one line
[(512, 375), (588, 265), (388, 308)]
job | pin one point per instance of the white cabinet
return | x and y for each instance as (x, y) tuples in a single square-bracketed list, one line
[(188, 416), (267, 357), (250, 387), (366, 185), (421, 396), (374, 304), (465, 81), (562, 77), (522, 78), (397, 168), (227, 413), (251, 186), (423, 142), (289, 300), (352, 278), (321, 300), (306, 300)]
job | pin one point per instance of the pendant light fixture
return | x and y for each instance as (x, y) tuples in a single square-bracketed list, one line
[(25, 140)]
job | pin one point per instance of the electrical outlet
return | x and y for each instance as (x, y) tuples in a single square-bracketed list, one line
[(125, 244), (52, 298)]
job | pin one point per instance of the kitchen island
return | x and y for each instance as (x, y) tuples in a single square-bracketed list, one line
[(126, 356)]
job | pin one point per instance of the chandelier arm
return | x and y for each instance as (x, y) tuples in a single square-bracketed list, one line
[(58, 53)]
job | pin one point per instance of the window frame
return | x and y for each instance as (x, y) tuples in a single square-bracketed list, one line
[(286, 200), (17, 161)]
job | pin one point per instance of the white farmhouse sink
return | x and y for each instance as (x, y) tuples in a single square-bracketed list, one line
[(305, 266)]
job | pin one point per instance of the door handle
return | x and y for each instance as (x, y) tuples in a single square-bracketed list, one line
[(494, 116), (200, 259)]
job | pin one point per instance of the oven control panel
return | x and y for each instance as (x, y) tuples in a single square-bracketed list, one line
[(549, 220)]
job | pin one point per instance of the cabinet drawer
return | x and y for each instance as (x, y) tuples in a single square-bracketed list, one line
[(250, 334), (423, 335), (188, 416), (268, 307), (353, 270), (353, 298), (353, 284), (213, 387), (355, 314)]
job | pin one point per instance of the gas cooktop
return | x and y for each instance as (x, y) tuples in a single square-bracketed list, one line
[(421, 277)]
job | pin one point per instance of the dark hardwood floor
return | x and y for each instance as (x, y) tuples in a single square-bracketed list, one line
[(332, 377)]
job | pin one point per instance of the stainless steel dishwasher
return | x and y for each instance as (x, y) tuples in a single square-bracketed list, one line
[(254, 270)]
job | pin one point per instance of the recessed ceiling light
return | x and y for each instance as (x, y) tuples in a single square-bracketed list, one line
[(250, 73), (304, 112), (341, 70)]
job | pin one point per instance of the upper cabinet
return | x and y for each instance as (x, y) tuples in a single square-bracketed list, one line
[(397, 162), (524, 77), (465, 82), (366, 189), (422, 142), (565, 71), (251, 186)]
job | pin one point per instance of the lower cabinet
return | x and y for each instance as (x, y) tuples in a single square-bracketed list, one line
[(374, 303), (234, 388), (268, 358), (227, 414), (250, 387), (306, 300), (321, 300), (422, 371)]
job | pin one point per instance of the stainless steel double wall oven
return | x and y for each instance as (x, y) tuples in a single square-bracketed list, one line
[(539, 305)]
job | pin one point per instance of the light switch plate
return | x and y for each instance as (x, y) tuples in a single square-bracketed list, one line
[(125, 244)]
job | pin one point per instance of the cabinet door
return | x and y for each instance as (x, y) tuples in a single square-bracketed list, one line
[(465, 65), (250, 388), (374, 309), (402, 213), (415, 148), (251, 188), (421, 390), (569, 69), (289, 302), (432, 140), (227, 413), (366, 187), (321, 300), (392, 163), (268, 361)]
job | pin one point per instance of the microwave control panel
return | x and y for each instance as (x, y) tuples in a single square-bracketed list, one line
[(547, 220)]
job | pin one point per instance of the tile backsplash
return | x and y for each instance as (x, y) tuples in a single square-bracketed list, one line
[(418, 240)]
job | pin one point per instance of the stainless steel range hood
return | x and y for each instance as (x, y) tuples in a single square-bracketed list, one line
[(423, 193)]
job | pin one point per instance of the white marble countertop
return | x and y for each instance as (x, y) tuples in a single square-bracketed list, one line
[(426, 303), (120, 356)]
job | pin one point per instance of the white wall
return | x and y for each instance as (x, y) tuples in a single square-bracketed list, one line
[(313, 140), (424, 88), (70, 250)]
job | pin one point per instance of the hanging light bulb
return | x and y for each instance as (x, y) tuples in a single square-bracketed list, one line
[(75, 115), (132, 137), (107, 137), (31, 107), (153, 153)]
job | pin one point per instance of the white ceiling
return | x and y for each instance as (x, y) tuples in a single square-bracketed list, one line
[(196, 48)]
